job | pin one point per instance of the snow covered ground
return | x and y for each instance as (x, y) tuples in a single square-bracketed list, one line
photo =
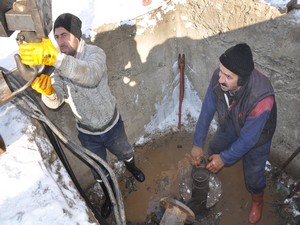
[(32, 193)]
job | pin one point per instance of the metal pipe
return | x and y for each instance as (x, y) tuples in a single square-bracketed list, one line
[(8, 95), (181, 63), (176, 213), (200, 189)]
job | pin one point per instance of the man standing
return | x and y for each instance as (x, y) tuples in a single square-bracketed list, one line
[(245, 103), (80, 79)]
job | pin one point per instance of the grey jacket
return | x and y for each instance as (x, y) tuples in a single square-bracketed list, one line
[(82, 82)]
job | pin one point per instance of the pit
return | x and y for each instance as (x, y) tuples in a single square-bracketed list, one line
[(164, 162)]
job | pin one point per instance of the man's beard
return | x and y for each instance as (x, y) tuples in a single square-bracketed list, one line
[(72, 52)]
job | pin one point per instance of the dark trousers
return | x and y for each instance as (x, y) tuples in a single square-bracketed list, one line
[(115, 141), (254, 161)]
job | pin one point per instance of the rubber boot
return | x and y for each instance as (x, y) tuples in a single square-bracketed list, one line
[(256, 208), (136, 172), (107, 205)]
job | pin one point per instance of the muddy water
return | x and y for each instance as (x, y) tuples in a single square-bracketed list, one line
[(161, 162)]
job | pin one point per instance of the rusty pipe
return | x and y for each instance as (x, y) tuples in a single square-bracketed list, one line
[(176, 213), (181, 64)]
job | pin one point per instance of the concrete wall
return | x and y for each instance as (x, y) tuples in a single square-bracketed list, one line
[(202, 30)]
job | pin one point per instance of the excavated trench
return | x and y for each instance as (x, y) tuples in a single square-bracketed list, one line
[(164, 161), (140, 65)]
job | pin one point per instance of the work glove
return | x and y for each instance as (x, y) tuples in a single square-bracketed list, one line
[(43, 85), (196, 156), (38, 53)]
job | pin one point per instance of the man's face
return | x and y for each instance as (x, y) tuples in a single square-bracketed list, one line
[(66, 41), (228, 80)]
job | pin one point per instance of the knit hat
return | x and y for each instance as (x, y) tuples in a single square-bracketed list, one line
[(238, 59), (70, 22)]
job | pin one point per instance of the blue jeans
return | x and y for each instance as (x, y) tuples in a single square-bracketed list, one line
[(115, 141), (254, 161)]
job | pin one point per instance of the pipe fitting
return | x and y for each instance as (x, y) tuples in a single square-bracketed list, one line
[(176, 212)]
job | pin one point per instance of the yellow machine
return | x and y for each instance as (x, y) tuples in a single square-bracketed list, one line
[(32, 19)]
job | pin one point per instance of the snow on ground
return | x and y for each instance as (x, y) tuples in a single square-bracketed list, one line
[(32, 193)]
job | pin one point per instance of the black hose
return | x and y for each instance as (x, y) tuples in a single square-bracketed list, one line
[(59, 151)]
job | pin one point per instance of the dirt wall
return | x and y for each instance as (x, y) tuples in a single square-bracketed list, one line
[(203, 30)]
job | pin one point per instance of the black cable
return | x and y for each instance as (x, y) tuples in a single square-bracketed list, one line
[(87, 156), (58, 149)]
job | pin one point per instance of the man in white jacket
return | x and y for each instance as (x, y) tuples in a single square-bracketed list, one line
[(80, 79)]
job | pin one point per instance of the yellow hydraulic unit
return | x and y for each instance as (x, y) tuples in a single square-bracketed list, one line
[(33, 20)]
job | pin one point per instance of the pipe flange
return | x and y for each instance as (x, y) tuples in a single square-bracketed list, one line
[(172, 206)]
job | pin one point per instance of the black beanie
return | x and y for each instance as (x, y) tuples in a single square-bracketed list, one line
[(70, 22), (238, 59)]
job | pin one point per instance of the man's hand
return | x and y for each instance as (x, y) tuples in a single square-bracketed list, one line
[(43, 85), (38, 53), (215, 164), (197, 155)]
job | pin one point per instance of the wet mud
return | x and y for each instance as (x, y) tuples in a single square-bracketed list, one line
[(165, 162)]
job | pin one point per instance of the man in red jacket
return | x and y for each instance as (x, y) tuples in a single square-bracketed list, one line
[(245, 102)]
